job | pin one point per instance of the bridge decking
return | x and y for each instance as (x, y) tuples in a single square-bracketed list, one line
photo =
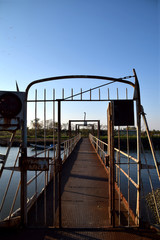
[(84, 205), (85, 196)]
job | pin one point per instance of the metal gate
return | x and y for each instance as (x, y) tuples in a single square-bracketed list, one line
[(47, 163)]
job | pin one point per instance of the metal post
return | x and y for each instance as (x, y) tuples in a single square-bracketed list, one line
[(98, 134), (36, 188), (54, 154), (59, 160), (93, 129), (70, 129), (111, 164), (138, 110), (23, 171), (45, 176)]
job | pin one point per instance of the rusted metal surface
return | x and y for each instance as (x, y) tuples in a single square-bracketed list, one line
[(84, 193), (11, 110), (82, 234), (36, 164)]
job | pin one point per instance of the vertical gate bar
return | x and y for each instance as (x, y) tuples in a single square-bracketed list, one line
[(54, 161), (117, 168), (72, 93), (54, 123), (111, 164), (150, 142), (70, 130), (128, 167), (109, 180), (90, 94), (118, 172), (117, 152), (119, 175), (98, 129), (138, 111), (59, 162), (36, 149), (45, 216), (14, 200), (62, 93), (23, 171), (99, 94), (128, 175), (126, 93), (108, 94)]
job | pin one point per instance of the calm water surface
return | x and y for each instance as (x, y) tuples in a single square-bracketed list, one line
[(31, 189)]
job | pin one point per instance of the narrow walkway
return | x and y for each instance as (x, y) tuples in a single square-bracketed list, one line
[(85, 194), (84, 205)]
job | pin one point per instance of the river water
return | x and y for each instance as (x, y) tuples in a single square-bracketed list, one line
[(31, 188)]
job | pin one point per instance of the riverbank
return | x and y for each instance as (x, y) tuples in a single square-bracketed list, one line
[(133, 142), (123, 141)]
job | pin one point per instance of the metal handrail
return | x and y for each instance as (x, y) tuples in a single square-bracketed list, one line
[(70, 143), (97, 141)]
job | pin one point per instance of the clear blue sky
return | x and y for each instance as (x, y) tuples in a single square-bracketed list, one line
[(44, 38)]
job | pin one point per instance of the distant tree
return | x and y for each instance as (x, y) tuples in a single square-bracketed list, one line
[(36, 123)]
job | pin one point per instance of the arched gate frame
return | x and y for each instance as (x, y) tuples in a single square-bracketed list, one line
[(111, 145)]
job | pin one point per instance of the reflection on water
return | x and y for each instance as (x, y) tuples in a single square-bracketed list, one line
[(15, 181), (31, 188)]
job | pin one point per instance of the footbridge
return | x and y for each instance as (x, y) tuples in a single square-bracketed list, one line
[(80, 183)]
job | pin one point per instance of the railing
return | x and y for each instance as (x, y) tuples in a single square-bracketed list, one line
[(124, 163), (68, 147)]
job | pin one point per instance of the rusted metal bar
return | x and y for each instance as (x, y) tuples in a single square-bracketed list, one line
[(59, 163), (33, 178), (45, 201), (7, 153), (150, 143), (111, 163), (135, 184), (119, 173), (98, 134), (36, 188), (23, 171), (125, 154), (72, 93), (138, 112), (14, 200), (122, 80), (62, 93), (54, 162), (9, 181), (128, 178), (128, 169), (151, 185)]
